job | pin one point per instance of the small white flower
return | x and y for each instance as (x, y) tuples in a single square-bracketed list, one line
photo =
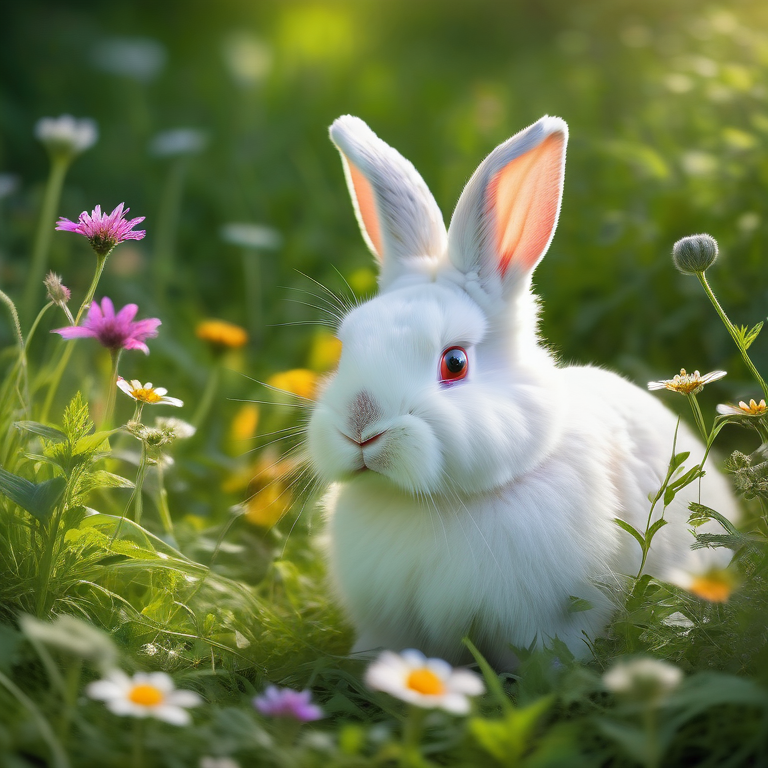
[(429, 683), (247, 58), (144, 695), (72, 635), (256, 236), (178, 141), (181, 429), (743, 409), (218, 762), (687, 383), (65, 135), (140, 58), (715, 585), (8, 184), (646, 679), (146, 393)]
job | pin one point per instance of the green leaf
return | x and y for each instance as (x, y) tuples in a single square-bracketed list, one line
[(77, 423), (752, 334), (92, 443), (103, 479), (578, 604), (491, 678), (507, 739), (653, 530), (39, 499), (678, 459), (49, 433), (629, 529)]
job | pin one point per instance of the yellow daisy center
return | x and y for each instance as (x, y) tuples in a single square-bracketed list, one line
[(146, 395), (146, 695), (425, 681), (712, 589), (686, 383)]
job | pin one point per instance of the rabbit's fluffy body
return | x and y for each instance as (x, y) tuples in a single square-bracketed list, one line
[(479, 507)]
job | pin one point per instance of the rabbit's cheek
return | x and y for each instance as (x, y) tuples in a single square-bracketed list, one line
[(334, 456), (408, 454)]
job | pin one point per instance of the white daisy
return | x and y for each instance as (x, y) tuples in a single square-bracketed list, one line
[(150, 694), (645, 678), (429, 683), (146, 393), (743, 409), (687, 383)]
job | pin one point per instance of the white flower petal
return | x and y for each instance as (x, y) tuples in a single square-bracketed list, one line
[(172, 715), (455, 703), (160, 680), (172, 401), (184, 698), (124, 707), (136, 384), (125, 386), (413, 658), (104, 690), (160, 391), (467, 682)]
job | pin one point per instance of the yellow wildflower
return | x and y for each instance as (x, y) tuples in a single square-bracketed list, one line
[(299, 381), (221, 333)]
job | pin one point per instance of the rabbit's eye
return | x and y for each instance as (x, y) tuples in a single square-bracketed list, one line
[(453, 365)]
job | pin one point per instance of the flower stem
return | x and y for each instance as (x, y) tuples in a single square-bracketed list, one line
[(698, 417), (109, 395), (207, 399), (162, 500), (253, 292), (136, 496), (651, 741), (67, 352), (46, 563), (22, 386), (168, 223), (138, 744), (45, 229), (411, 757), (101, 261), (732, 330)]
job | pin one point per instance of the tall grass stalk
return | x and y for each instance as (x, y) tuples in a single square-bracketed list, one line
[(42, 244)]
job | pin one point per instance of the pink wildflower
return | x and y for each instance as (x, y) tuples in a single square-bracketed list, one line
[(113, 331), (284, 702), (104, 231)]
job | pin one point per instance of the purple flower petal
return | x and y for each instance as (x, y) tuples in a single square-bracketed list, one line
[(127, 313), (114, 331), (108, 308), (75, 332)]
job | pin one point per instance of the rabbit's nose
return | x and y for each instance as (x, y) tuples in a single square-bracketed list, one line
[(364, 411)]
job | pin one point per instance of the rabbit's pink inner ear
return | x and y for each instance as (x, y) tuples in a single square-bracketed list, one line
[(525, 198), (365, 200)]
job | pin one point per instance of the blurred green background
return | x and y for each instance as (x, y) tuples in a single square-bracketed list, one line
[(666, 101)]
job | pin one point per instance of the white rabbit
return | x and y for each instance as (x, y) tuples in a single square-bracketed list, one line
[(474, 481)]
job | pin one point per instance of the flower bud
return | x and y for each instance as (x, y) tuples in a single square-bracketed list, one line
[(694, 254), (58, 293)]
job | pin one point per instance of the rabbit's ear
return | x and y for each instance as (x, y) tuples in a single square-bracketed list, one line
[(397, 214), (507, 213)]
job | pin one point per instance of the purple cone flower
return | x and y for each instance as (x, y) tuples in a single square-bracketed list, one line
[(284, 702), (103, 231), (113, 331)]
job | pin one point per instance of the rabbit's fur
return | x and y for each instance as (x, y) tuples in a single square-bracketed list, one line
[(481, 507)]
